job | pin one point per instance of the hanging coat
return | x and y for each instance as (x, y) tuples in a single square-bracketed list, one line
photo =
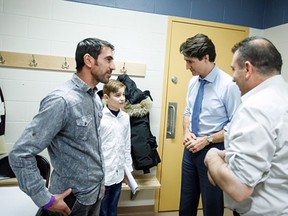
[(3, 148), (143, 143)]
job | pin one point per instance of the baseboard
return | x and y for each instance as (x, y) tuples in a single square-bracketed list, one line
[(132, 209)]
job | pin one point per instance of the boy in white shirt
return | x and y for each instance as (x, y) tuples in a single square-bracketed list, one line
[(116, 145)]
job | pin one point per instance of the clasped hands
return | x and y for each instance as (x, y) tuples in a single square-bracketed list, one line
[(193, 143)]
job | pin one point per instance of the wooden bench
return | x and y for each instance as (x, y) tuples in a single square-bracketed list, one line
[(144, 182), (8, 182)]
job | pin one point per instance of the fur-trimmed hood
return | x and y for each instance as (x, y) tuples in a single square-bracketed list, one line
[(140, 109)]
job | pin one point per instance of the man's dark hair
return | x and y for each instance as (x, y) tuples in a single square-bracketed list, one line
[(92, 46), (260, 52), (198, 46)]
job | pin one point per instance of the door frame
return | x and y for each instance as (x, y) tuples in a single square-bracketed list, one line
[(164, 114)]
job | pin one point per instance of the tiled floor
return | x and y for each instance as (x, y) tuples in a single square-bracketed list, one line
[(227, 212)]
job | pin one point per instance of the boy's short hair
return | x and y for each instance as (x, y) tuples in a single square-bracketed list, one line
[(112, 86)]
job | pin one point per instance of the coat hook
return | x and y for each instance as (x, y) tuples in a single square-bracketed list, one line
[(33, 62), (2, 60), (65, 65), (123, 70)]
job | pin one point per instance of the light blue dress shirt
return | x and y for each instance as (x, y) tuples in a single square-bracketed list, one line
[(220, 101)]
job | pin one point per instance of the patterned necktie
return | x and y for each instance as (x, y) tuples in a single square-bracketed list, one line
[(197, 107)]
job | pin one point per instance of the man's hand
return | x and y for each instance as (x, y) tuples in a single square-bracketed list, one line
[(59, 205), (214, 154), (193, 143), (220, 174), (125, 180)]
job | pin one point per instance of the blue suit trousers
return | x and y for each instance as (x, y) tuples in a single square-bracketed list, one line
[(195, 183)]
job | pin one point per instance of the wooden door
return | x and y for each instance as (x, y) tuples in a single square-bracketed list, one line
[(175, 88)]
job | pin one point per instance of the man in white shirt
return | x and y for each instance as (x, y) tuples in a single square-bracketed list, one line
[(253, 170)]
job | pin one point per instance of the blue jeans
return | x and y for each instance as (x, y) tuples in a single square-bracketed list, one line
[(110, 201), (195, 182)]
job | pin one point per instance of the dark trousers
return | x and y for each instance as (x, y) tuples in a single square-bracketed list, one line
[(78, 210), (110, 201), (235, 213), (195, 182)]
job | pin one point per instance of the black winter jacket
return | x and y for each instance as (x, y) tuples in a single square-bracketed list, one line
[(143, 143)]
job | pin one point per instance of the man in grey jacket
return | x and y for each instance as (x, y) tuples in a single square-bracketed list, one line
[(67, 125)]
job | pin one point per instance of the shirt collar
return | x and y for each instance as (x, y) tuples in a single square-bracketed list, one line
[(274, 80), (82, 85), (212, 75)]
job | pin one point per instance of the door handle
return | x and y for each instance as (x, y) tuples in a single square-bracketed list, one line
[(171, 121)]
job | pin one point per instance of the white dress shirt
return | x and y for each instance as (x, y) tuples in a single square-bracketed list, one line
[(257, 149), (115, 134)]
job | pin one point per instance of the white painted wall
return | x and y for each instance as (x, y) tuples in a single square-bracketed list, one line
[(278, 36), (54, 27)]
